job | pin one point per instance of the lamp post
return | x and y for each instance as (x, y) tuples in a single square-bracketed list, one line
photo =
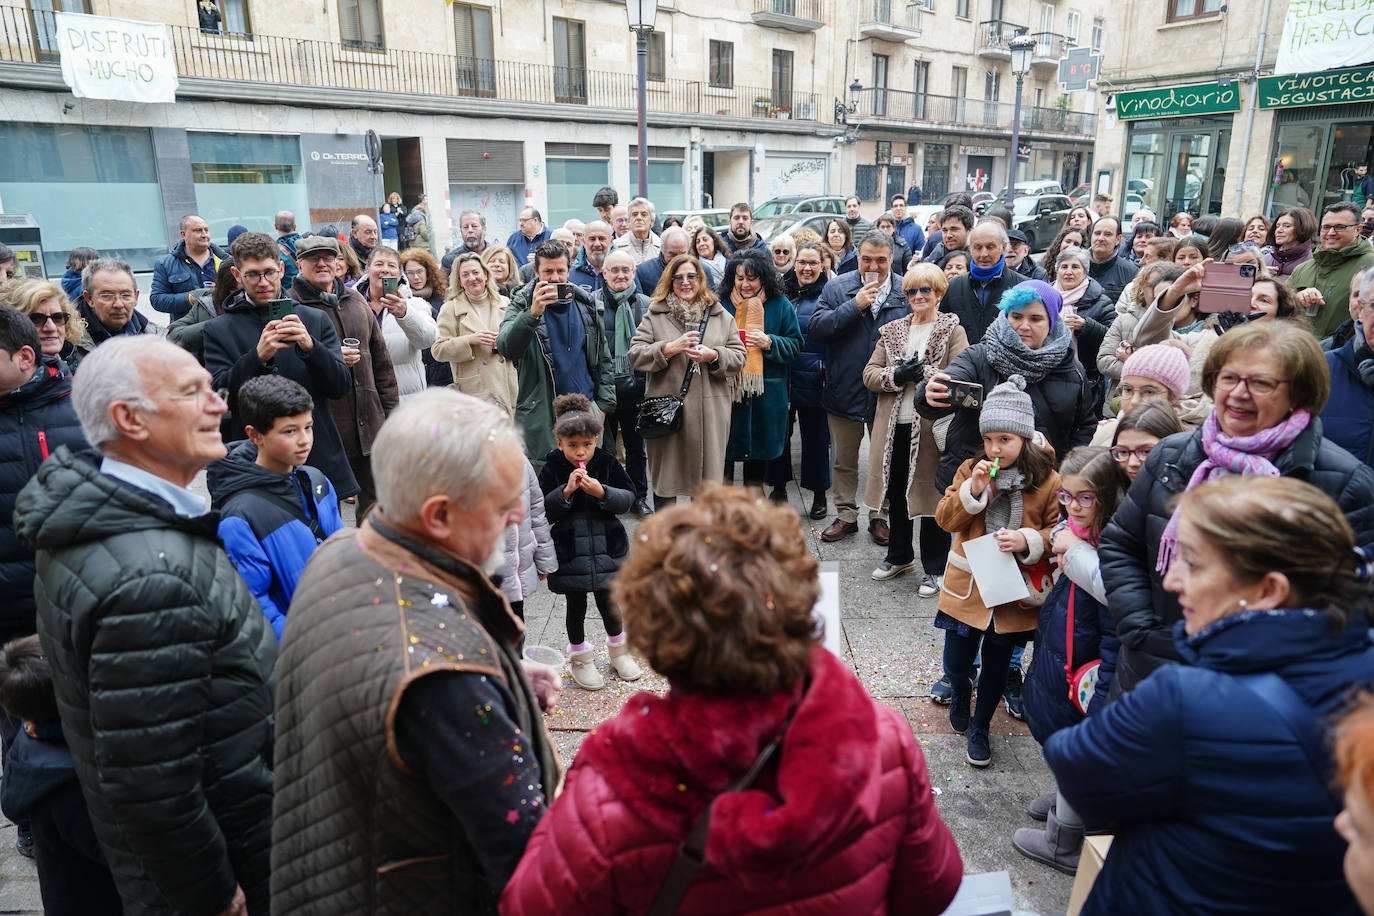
[(1021, 47), (641, 14)]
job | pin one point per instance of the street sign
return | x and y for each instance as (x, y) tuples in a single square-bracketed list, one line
[(1177, 101), (1078, 68)]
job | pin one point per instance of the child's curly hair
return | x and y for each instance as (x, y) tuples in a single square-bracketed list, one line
[(574, 417)]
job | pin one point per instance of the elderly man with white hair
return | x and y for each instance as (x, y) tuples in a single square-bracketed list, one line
[(640, 241), (162, 661), (412, 759), (675, 241)]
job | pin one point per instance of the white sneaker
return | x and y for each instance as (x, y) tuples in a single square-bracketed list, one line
[(626, 668), (929, 587), (886, 570), (583, 669)]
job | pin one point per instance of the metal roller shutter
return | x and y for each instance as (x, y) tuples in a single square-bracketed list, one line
[(503, 162)]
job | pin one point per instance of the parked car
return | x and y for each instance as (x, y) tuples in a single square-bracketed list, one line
[(1039, 216), (1081, 196), (716, 219), (773, 226), (798, 203)]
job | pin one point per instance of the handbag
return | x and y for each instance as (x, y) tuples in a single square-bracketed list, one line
[(691, 852), (1082, 680), (1039, 577), (661, 416)]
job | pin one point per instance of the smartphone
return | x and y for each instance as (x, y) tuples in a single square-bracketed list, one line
[(565, 292), (1226, 288), (390, 285), (968, 395), (277, 309)]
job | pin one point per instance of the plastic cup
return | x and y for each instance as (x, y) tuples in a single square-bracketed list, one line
[(544, 655), (353, 342)]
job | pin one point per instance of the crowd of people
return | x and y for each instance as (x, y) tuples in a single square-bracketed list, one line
[(1154, 446)]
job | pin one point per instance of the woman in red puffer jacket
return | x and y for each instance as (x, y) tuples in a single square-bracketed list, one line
[(717, 595)]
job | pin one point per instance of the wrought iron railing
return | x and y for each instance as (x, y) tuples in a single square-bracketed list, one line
[(898, 105), (1050, 45), (998, 33), (813, 10), (898, 13)]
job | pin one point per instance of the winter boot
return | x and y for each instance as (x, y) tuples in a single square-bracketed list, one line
[(1040, 807), (584, 673), (1057, 846), (622, 661)]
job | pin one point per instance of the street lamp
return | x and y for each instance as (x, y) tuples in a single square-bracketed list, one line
[(1021, 48), (641, 14)]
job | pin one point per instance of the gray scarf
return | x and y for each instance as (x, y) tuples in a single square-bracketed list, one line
[(1004, 509), (1009, 356)]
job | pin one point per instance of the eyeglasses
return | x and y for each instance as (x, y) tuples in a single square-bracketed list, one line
[(416, 272), (203, 395), (919, 290), (1338, 227), (109, 298), (1258, 385), (1121, 454), (257, 276), (1084, 499), (39, 320), (685, 278), (1145, 391)]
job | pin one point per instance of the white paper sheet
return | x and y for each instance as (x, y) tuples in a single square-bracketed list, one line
[(827, 609), (995, 573)]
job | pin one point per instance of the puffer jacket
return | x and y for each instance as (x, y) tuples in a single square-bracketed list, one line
[(175, 279), (1143, 610), (1046, 692), (1098, 311), (529, 546), (1348, 417), (164, 668), (808, 369), (842, 821), (1216, 805), (35, 419), (849, 335), (588, 538)]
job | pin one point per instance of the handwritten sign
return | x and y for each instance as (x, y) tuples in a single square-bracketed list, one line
[(1322, 34), (1335, 87), (120, 59), (1177, 101)]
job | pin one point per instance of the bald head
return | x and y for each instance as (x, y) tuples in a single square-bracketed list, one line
[(619, 270), (596, 241), (674, 241), (364, 229), (562, 235)]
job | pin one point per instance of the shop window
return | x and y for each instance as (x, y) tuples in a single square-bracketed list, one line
[(472, 41), (1193, 9), (223, 17), (569, 60), (360, 24), (665, 181), (44, 24), (722, 64), (657, 69), (571, 184), (246, 179), (57, 171)]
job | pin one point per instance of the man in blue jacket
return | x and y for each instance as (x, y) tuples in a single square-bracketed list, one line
[(911, 233), (591, 257), (528, 237), (674, 241), (190, 266), (852, 309)]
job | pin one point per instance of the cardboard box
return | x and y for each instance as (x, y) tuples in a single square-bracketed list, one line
[(1090, 863)]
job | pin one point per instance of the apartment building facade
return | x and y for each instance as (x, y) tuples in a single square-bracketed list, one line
[(495, 106)]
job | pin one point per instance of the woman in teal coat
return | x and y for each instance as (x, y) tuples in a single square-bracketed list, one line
[(752, 292)]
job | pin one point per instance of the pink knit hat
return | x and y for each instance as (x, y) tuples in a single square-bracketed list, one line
[(1164, 363)]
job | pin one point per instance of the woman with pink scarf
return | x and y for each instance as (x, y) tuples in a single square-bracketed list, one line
[(1087, 311), (1268, 383)]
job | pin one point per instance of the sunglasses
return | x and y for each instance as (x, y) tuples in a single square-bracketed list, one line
[(59, 319), (920, 290)]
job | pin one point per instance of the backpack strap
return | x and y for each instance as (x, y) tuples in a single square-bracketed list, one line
[(1273, 691)]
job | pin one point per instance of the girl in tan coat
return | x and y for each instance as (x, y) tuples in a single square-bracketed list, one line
[(468, 323), (1010, 490)]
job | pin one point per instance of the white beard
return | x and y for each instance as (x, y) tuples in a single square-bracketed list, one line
[(496, 559)]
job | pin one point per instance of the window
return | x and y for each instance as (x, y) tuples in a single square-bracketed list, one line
[(961, 8), (920, 84), (992, 87), (866, 182), (1193, 9), (657, 66), (246, 178), (1038, 99), (44, 24), (722, 64), (472, 39), (782, 78), (995, 9), (360, 24), (1046, 17), (229, 17), (958, 88), (1098, 28), (927, 5), (1071, 29), (569, 60), (879, 85), (572, 182), (666, 171)]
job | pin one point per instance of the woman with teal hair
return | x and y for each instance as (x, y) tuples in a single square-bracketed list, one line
[(1026, 339)]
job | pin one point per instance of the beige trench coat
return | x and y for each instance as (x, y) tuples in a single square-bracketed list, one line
[(921, 494), (477, 370), (680, 463)]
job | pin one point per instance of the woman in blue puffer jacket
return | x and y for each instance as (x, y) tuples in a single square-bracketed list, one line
[(1216, 771), (802, 285)]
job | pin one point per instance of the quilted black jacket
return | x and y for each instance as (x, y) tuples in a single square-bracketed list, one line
[(164, 668), (588, 538)]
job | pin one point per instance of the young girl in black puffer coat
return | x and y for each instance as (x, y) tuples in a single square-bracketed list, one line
[(1092, 485), (585, 488)]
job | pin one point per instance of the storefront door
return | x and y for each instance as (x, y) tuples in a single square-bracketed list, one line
[(1317, 154), (1179, 164)]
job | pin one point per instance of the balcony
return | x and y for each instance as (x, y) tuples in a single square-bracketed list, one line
[(994, 38), (889, 20), (937, 112), (1049, 48), (790, 15), (256, 67)]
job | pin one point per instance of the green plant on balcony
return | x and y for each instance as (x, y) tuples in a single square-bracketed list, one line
[(1061, 114)]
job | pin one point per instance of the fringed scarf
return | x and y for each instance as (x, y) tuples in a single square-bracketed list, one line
[(749, 316), (1005, 508)]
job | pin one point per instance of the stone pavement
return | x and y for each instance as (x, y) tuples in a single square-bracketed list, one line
[(890, 639)]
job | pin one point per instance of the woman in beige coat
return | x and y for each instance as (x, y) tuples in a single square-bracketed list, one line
[(667, 341), (903, 468), (468, 323)]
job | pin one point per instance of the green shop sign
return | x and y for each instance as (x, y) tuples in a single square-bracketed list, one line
[(1330, 87), (1177, 101)]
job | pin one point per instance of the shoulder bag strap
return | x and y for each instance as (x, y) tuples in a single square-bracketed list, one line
[(1068, 645), (1274, 692), (691, 852), (691, 363)]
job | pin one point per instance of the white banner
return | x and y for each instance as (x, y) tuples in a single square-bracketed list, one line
[(1325, 34), (119, 59)]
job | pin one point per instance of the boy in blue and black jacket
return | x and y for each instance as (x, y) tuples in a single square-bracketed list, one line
[(274, 510)]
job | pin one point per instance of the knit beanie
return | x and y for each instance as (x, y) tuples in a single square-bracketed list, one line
[(1008, 409), (1028, 291), (1164, 363)]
